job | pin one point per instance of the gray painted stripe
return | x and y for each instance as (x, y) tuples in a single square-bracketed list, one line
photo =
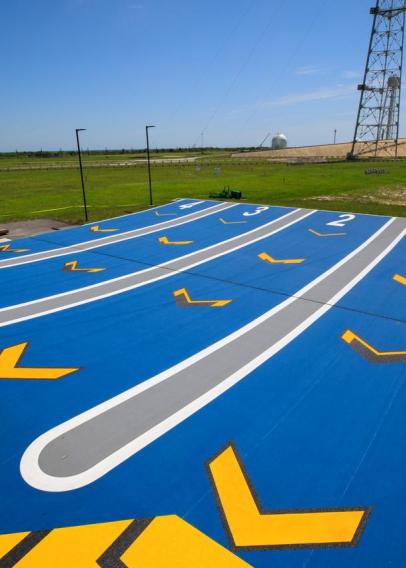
[(111, 239), (95, 292), (86, 445)]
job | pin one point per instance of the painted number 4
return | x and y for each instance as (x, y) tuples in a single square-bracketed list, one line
[(257, 211), (190, 205), (342, 221)]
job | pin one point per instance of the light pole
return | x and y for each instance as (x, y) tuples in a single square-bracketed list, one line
[(149, 163), (81, 171)]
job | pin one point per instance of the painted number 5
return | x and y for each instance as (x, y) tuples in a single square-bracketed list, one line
[(257, 211), (341, 221)]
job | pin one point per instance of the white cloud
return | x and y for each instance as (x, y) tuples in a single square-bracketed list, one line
[(351, 74), (321, 94), (307, 70)]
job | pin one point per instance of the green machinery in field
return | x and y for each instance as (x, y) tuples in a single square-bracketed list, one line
[(227, 193)]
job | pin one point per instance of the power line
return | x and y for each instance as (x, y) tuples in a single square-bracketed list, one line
[(242, 67)]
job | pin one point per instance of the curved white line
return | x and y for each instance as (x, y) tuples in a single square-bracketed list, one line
[(29, 465), (134, 286), (96, 244)]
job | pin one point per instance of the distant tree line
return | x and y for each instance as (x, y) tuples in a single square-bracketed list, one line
[(111, 152)]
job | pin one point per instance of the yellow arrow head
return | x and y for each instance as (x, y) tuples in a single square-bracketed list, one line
[(165, 241), (251, 527), (183, 300), (231, 222), (267, 258), (369, 352), (11, 356), (400, 279), (73, 267), (326, 234), (96, 229), (7, 248)]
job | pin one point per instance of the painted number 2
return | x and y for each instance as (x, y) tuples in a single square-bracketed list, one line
[(257, 211), (341, 221)]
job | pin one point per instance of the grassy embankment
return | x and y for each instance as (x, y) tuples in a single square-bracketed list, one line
[(56, 193)]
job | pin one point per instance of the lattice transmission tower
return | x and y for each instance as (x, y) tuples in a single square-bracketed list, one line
[(377, 128)]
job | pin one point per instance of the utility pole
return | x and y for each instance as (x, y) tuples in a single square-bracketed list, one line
[(77, 130), (149, 163)]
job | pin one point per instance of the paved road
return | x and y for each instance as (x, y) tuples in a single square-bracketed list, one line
[(113, 238), (88, 446), (80, 296)]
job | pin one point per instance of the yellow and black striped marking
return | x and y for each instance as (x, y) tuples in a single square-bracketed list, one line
[(151, 543)]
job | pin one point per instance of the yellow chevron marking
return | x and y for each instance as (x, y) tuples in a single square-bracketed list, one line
[(158, 214), (96, 229), (166, 241), (170, 541), (264, 256), (11, 356), (349, 336), (232, 222), (326, 234), (400, 279), (6, 248), (250, 527), (184, 294), (73, 267), (164, 542)]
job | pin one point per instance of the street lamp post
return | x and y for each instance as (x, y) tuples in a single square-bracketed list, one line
[(81, 171), (149, 163)]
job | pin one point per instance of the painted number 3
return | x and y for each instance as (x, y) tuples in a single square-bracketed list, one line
[(257, 211), (341, 221)]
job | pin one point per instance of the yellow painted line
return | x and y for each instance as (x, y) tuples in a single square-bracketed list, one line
[(267, 258), (165, 241), (6, 248), (326, 234), (171, 542), (73, 267), (96, 229), (400, 279), (349, 336), (11, 356), (158, 214), (232, 222), (250, 527), (211, 303)]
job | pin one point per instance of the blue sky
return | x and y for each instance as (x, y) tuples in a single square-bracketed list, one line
[(234, 70)]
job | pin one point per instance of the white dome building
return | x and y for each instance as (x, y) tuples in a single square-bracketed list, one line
[(279, 142)]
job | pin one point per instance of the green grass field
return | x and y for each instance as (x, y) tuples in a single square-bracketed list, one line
[(56, 193)]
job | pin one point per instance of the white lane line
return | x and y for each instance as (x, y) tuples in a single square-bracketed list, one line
[(97, 244), (37, 478), (146, 270), (140, 212)]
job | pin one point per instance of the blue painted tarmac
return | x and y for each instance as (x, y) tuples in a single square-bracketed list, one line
[(317, 425)]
